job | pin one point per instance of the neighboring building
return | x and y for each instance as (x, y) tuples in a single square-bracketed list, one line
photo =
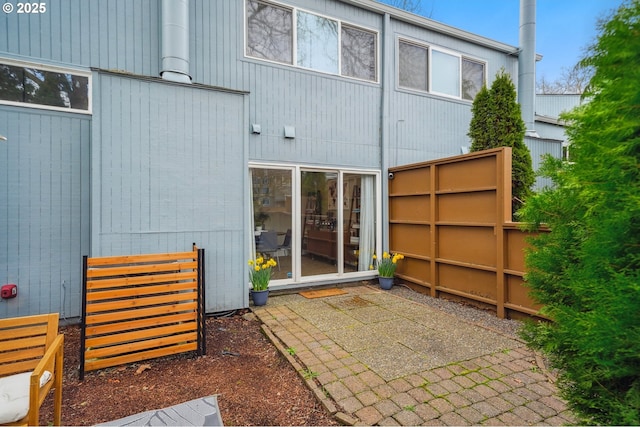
[(283, 112), (548, 111)]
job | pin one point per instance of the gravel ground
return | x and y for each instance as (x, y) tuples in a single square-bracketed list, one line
[(471, 314)]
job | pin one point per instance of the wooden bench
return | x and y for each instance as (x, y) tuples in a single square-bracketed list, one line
[(139, 307), (31, 358)]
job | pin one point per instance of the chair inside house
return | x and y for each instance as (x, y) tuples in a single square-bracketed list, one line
[(31, 358), (286, 244), (268, 245)]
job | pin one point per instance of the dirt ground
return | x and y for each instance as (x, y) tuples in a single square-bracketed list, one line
[(254, 382)]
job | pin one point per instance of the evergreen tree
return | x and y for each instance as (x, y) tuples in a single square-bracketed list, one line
[(497, 122), (586, 271)]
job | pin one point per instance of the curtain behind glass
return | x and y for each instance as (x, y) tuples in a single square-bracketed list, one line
[(367, 222)]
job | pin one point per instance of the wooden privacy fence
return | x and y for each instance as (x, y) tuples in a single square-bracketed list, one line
[(451, 218), (139, 307)]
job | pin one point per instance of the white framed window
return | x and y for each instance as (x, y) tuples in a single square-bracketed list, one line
[(473, 78), (300, 38), (359, 53), (413, 72), (445, 73), (439, 71), (269, 32), (317, 42), (42, 86)]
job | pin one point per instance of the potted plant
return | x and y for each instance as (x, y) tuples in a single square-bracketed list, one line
[(387, 268), (259, 219), (260, 274)]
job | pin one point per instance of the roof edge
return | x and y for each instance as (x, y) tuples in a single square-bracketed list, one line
[(430, 24)]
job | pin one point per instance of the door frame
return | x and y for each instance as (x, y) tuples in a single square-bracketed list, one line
[(296, 223)]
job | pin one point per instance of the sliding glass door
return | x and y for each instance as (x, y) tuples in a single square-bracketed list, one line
[(317, 223)]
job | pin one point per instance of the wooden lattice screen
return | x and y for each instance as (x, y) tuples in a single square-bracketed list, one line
[(139, 307)]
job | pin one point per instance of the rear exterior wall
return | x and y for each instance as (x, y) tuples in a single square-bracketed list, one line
[(339, 122)]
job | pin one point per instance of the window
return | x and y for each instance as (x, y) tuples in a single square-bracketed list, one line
[(445, 69), (413, 69), (57, 89), (269, 32), (321, 43), (472, 78), (444, 73), (317, 43), (358, 53)]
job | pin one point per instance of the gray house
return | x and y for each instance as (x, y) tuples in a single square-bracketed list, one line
[(241, 125)]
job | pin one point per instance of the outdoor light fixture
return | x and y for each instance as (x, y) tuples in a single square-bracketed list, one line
[(255, 128), (3, 138)]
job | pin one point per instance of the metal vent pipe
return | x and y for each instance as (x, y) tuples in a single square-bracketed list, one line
[(527, 65), (175, 41)]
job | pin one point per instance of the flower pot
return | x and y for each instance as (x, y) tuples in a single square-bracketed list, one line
[(385, 282), (259, 297)]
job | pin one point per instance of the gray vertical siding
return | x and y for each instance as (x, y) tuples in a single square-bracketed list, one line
[(44, 209), (170, 167), (538, 148), (111, 34)]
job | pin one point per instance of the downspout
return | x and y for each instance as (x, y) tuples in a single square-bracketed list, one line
[(385, 79), (527, 65), (175, 41)]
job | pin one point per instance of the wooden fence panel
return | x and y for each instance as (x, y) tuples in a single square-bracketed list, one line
[(451, 219), (138, 307)]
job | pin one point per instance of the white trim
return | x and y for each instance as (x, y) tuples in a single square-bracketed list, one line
[(55, 69)]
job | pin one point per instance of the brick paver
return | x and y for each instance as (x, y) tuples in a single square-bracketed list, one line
[(505, 387)]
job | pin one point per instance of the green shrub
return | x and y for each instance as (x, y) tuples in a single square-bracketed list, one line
[(497, 122), (586, 271)]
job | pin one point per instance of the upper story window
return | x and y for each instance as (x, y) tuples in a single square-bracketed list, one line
[(296, 37), (44, 87), (429, 69)]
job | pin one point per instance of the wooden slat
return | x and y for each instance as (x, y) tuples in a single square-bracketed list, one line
[(141, 302), (22, 343), (149, 322), (23, 331), (132, 259), (21, 366), (140, 269), (140, 280), (138, 291), (139, 335), (23, 354), (141, 312), (136, 346), (136, 357)]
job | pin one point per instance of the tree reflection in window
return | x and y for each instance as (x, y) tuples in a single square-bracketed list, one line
[(43, 87), (472, 78), (358, 53), (269, 32)]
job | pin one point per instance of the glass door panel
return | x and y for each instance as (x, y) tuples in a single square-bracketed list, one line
[(272, 217), (319, 210), (359, 221)]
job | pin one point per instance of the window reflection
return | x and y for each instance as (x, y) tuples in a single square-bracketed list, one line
[(317, 43), (269, 32), (42, 87)]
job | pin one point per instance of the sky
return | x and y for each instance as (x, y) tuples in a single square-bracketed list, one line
[(564, 28)]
